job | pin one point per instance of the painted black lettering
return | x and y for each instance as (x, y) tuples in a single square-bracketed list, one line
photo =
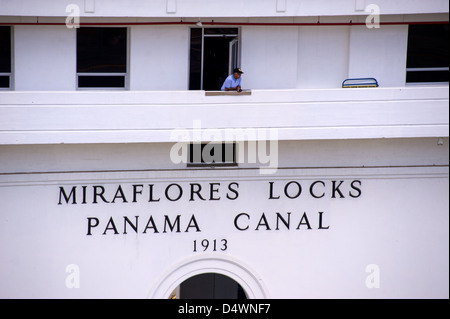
[(271, 192), (286, 223), (357, 189), (98, 192), (311, 189), (236, 221), (127, 221), (196, 189), (213, 190), (171, 226), (72, 194), (233, 190), (92, 225), (304, 221)]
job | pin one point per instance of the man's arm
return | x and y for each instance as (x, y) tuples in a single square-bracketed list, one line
[(237, 88)]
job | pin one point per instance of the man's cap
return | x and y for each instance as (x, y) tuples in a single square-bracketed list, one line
[(238, 70)]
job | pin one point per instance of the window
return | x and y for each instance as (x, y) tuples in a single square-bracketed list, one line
[(214, 53), (102, 57), (212, 154), (428, 53), (5, 57)]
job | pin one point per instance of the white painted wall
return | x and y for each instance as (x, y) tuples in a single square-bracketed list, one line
[(269, 57), (323, 56), (304, 57), (159, 58), (379, 53), (399, 223), (152, 116), (156, 156), (44, 58)]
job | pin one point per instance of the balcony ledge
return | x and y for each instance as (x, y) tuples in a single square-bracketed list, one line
[(168, 116)]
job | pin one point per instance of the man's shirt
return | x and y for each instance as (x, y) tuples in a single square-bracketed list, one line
[(231, 82)]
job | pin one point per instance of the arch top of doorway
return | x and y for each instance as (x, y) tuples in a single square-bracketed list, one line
[(209, 263)]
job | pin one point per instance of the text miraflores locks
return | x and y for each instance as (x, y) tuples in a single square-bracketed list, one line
[(281, 191)]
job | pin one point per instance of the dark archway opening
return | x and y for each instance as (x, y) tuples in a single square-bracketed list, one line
[(209, 286)]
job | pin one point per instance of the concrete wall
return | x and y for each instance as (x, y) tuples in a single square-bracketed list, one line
[(292, 154), (159, 58), (323, 57), (329, 47), (379, 53), (272, 57), (381, 242), (44, 58), (269, 57)]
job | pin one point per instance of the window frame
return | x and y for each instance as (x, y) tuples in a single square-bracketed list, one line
[(125, 74), (191, 164), (11, 73), (422, 69), (237, 36)]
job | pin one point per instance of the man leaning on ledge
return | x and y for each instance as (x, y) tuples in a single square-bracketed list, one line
[(233, 81)]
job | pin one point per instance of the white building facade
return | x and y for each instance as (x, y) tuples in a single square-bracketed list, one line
[(125, 173)]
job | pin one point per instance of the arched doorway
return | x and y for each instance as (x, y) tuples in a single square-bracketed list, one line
[(209, 286), (232, 269)]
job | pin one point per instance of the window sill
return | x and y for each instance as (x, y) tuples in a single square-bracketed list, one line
[(220, 93)]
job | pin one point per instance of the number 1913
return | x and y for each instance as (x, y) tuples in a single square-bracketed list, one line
[(213, 245)]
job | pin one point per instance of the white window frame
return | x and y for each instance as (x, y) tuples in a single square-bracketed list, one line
[(426, 70), (234, 56)]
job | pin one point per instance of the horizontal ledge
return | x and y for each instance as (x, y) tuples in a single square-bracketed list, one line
[(221, 93), (349, 22), (97, 97), (228, 174), (167, 136)]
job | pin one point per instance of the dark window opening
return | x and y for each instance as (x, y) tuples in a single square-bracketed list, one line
[(211, 286), (101, 57), (215, 60), (5, 57), (214, 53), (101, 81), (4, 81), (222, 31), (427, 76), (428, 53), (195, 59), (212, 154)]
